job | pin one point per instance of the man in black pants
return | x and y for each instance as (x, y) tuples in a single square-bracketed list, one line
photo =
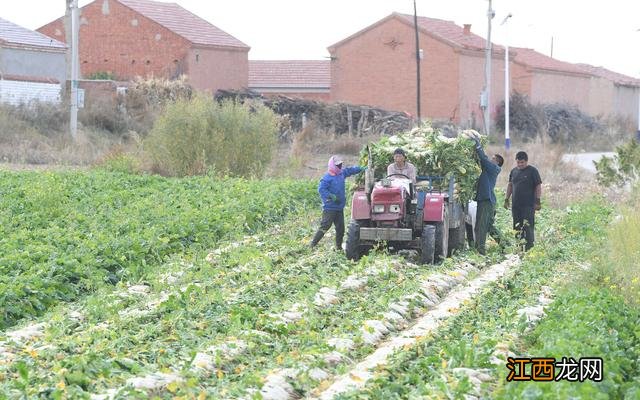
[(526, 186)]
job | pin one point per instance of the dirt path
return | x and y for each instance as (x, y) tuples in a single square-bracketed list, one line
[(585, 160)]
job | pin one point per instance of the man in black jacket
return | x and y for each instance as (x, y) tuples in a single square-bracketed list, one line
[(526, 186)]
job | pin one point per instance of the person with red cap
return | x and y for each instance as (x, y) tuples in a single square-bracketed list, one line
[(332, 193)]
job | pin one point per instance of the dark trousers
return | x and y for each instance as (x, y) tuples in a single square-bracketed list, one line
[(328, 218), (524, 224), (485, 218)]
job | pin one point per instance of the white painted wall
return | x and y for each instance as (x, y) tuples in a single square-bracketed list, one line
[(16, 92)]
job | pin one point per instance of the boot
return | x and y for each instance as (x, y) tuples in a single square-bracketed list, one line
[(316, 238)]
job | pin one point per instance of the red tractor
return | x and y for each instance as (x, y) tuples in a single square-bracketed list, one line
[(402, 215)]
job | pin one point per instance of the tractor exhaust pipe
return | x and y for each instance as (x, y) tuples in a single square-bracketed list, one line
[(369, 174)]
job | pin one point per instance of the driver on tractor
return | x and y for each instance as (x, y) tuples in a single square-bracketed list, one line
[(401, 166)]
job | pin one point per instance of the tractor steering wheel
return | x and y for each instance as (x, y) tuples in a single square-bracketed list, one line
[(399, 175)]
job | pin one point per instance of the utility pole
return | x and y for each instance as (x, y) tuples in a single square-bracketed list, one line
[(485, 101), (418, 56), (507, 93), (73, 123)]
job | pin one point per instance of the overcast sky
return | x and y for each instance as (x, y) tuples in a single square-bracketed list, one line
[(602, 33)]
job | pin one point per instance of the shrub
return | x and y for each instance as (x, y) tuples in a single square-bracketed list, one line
[(562, 123), (118, 160), (103, 75), (623, 249), (104, 113), (198, 134), (146, 99), (47, 118), (623, 168)]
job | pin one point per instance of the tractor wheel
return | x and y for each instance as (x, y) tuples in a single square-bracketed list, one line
[(456, 237), (442, 239), (428, 244), (353, 249)]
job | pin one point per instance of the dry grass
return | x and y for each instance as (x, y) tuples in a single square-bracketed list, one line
[(22, 143), (310, 149), (623, 250)]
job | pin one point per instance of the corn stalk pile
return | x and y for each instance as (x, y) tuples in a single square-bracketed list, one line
[(433, 154)]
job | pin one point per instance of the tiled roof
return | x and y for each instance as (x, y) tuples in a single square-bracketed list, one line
[(451, 32), (26, 78), (13, 34), (616, 77), (290, 74), (446, 31), (533, 59), (184, 23)]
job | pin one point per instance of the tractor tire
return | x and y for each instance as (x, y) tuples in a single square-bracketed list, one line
[(457, 237), (428, 244), (353, 249), (442, 239)]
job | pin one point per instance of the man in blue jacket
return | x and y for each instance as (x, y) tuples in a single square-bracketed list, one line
[(332, 194), (486, 198)]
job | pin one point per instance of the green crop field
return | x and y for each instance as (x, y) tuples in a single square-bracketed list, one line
[(118, 286)]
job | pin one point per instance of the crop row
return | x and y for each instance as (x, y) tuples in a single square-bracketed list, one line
[(467, 357), (240, 296), (65, 235)]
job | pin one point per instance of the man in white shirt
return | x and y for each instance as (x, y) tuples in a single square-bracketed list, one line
[(400, 165)]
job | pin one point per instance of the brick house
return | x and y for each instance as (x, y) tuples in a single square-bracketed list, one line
[(308, 79), (548, 80), (594, 90), (613, 93), (130, 38), (32, 65), (376, 66)]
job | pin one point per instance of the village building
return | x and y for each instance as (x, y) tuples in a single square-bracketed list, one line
[(125, 39), (32, 65)]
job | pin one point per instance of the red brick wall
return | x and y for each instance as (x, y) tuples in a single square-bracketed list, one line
[(601, 97), (550, 87), (472, 77), (378, 68), (100, 89), (521, 79), (118, 40), (211, 69), (625, 103)]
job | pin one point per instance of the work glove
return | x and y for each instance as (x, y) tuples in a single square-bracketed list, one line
[(507, 204), (537, 206), (333, 198)]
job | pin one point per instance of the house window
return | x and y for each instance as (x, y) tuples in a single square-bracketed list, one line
[(197, 57)]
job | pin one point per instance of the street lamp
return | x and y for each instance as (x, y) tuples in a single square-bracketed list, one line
[(418, 57), (485, 99), (73, 121), (507, 138), (638, 131)]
